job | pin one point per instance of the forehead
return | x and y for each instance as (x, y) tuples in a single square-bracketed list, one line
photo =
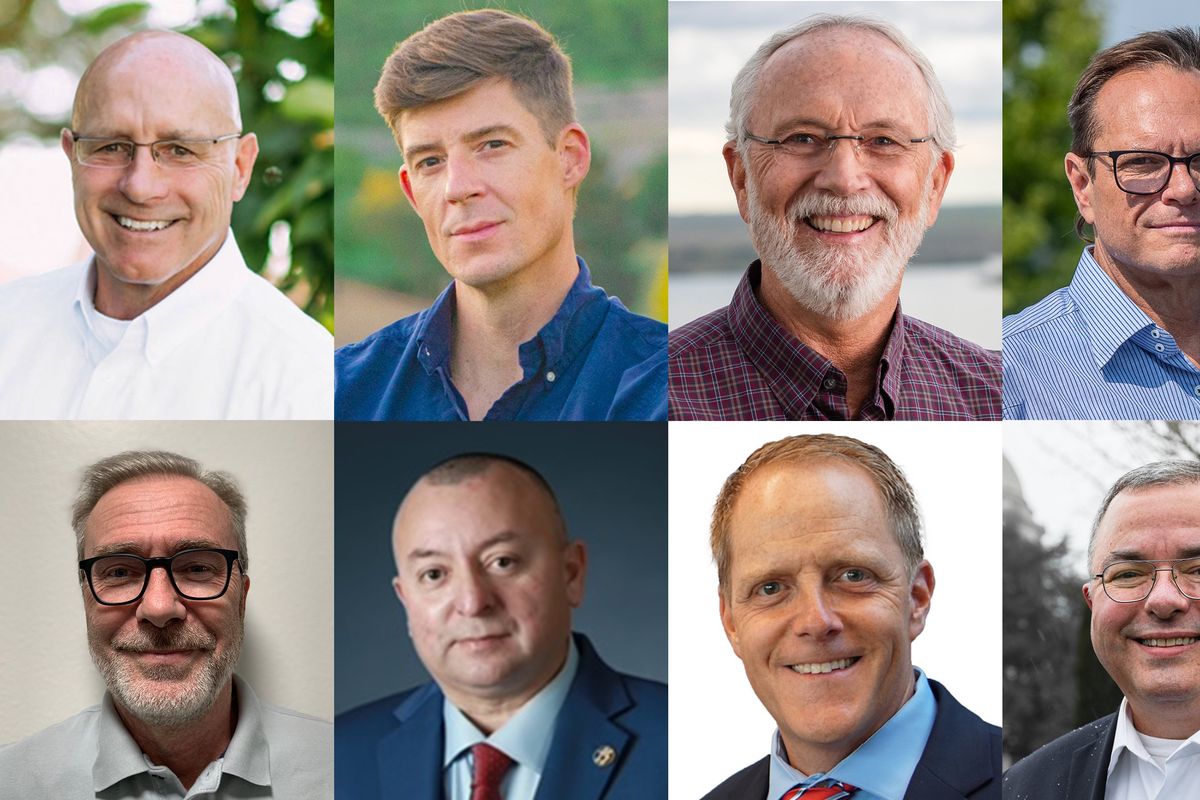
[(464, 515), (1149, 108), (1152, 521), (841, 77), (489, 104), (158, 510), (810, 510)]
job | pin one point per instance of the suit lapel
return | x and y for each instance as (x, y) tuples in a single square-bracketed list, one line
[(958, 758), (1089, 764), (410, 757)]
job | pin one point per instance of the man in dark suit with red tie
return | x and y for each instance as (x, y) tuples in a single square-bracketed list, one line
[(823, 587)]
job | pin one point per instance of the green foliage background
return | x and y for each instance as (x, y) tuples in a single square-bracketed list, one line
[(1047, 44), (293, 178), (620, 226)]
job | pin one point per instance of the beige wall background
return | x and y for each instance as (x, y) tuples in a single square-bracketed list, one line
[(285, 470)]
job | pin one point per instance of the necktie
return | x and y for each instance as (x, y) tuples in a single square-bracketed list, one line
[(490, 766), (835, 791)]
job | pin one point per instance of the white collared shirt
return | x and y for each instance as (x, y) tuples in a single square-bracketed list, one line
[(1147, 768), (226, 344)]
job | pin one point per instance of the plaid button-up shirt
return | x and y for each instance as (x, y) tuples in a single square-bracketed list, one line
[(739, 363)]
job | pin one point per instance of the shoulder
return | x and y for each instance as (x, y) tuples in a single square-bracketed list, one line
[(56, 761), (644, 333), (750, 783), (364, 371), (285, 726), (383, 344), (270, 308), (1052, 762), (702, 334), (34, 293), (954, 352), (373, 720), (1028, 323)]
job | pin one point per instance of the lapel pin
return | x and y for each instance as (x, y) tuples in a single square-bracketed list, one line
[(603, 756)]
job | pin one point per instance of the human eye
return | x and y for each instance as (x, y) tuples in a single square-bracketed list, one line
[(1191, 567), (855, 577), (494, 144), (431, 575), (768, 589), (504, 563), (427, 163), (802, 139)]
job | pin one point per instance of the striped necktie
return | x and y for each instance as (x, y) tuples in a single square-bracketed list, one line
[(490, 766), (836, 790)]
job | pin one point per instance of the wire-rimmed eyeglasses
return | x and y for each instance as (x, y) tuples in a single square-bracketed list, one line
[(1144, 172), (114, 152), (879, 146), (1132, 581), (122, 578)]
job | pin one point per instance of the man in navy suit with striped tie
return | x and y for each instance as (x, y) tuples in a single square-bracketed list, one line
[(823, 586)]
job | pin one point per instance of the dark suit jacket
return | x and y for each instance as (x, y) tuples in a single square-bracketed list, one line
[(1072, 767), (392, 748), (960, 760)]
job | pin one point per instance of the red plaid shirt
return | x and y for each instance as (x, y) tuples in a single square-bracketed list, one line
[(738, 363)]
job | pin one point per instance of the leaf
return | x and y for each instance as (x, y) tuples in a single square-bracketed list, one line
[(110, 16)]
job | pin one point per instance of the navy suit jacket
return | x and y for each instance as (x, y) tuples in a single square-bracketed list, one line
[(392, 748), (960, 760), (1072, 767)]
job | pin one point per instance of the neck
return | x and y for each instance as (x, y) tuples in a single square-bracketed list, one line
[(187, 749), (853, 345), (491, 322), (489, 714), (118, 299), (1170, 301)]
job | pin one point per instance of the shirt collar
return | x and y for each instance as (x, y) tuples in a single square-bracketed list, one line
[(1127, 740), (794, 370), (882, 765), (527, 735), (173, 320), (247, 756), (1112, 319)]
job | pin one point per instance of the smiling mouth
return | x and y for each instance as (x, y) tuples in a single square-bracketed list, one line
[(1171, 642), (131, 224), (824, 666), (855, 224)]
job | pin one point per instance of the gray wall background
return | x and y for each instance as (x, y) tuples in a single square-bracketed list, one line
[(611, 480)]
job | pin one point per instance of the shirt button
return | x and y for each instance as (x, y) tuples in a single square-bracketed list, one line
[(1159, 347), (1155, 333), (829, 383), (1197, 391), (550, 376), (426, 351)]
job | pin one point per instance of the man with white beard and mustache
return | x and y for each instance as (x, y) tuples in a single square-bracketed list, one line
[(176, 722), (839, 152)]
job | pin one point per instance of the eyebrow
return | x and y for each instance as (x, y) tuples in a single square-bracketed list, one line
[(499, 538), (1136, 555), (416, 150), (136, 549)]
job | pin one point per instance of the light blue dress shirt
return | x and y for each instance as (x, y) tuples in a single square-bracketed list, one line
[(525, 738), (1088, 352), (882, 766)]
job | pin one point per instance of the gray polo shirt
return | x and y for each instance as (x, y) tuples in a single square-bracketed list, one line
[(274, 753)]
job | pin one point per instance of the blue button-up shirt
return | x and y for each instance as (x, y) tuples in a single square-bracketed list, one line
[(594, 360), (1088, 352), (883, 765)]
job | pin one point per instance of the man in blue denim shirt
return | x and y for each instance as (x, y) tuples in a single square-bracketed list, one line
[(481, 106)]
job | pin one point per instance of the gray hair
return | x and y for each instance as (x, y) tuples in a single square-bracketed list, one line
[(108, 473), (1157, 473), (745, 85)]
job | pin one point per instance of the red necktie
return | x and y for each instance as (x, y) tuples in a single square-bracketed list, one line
[(835, 790), (490, 766)]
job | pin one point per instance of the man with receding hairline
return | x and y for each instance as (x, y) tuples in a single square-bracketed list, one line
[(519, 707), (165, 321)]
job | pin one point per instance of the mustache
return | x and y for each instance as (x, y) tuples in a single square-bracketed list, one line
[(821, 204), (164, 639)]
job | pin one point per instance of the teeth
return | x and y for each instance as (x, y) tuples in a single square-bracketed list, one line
[(827, 666), (139, 225), (841, 224), (1178, 640)]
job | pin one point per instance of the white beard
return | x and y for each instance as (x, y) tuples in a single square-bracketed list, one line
[(842, 283)]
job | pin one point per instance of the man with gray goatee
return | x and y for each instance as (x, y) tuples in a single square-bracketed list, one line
[(839, 149), (176, 721)]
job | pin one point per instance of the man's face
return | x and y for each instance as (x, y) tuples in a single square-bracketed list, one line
[(1162, 682), (496, 198), (487, 583), (165, 659), (838, 233), (1148, 238), (146, 94), (820, 608)]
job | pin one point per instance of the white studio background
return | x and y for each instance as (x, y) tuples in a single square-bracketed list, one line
[(285, 470), (717, 724)]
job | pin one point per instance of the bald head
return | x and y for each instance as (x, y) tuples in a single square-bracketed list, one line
[(172, 62)]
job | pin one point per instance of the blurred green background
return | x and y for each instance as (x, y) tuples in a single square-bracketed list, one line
[(1047, 44), (618, 49), (281, 52)]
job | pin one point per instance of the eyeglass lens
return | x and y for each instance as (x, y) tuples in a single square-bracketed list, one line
[(197, 575), (1130, 581), (1149, 173)]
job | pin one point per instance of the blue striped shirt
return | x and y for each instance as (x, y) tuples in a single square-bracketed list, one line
[(1088, 352)]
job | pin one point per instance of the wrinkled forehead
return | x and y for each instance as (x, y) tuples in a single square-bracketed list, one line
[(1151, 522), (156, 513)]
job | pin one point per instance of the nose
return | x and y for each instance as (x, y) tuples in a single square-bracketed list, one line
[(143, 180), (813, 613), (473, 594), (463, 180), (160, 604), (843, 172), (1165, 599), (1181, 184)]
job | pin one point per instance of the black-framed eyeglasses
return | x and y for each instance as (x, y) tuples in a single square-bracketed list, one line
[(122, 578), (1147, 171), (879, 146), (1132, 581), (115, 152)]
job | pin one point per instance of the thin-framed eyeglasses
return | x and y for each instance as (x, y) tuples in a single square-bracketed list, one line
[(1144, 172), (877, 146), (114, 152), (121, 578), (1133, 581)]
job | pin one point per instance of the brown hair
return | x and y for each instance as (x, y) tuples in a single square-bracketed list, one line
[(893, 487), (453, 54)]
